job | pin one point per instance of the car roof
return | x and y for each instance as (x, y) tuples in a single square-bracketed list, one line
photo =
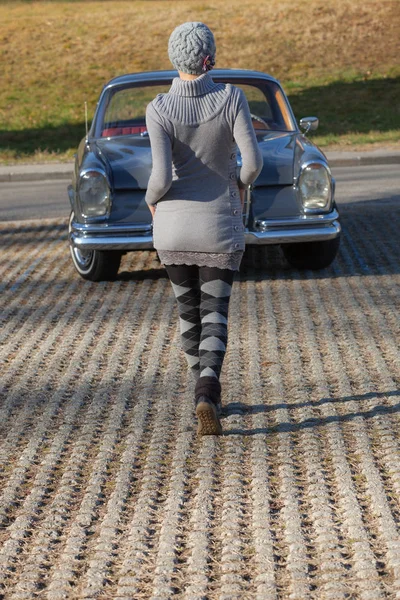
[(170, 74)]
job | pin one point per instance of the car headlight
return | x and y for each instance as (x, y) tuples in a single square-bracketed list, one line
[(94, 193), (315, 187)]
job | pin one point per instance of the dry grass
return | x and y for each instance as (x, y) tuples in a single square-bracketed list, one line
[(56, 55)]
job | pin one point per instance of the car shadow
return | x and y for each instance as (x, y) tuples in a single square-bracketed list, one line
[(369, 246), (143, 275)]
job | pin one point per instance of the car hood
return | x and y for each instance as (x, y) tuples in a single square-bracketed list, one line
[(129, 159), (277, 149)]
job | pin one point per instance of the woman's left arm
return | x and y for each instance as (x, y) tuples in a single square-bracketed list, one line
[(161, 151)]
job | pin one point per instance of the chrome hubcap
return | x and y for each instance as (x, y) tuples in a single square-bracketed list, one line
[(83, 257)]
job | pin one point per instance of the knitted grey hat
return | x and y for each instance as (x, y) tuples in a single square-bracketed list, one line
[(191, 48)]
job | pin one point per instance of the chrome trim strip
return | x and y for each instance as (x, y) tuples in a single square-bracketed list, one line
[(71, 196), (107, 228), (96, 170), (144, 242), (246, 207), (299, 234), (312, 161), (300, 221)]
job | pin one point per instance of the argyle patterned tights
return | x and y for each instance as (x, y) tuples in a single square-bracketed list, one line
[(203, 294)]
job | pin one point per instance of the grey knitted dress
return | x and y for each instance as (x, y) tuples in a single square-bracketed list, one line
[(193, 130)]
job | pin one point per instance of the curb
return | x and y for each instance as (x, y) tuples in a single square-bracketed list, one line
[(363, 160), (49, 172), (43, 172)]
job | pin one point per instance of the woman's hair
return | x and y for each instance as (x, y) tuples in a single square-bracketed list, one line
[(191, 48)]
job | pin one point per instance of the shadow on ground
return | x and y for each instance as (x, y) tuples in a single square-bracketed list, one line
[(27, 142), (238, 408), (368, 247), (351, 107)]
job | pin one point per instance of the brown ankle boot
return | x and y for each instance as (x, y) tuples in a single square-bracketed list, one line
[(206, 411)]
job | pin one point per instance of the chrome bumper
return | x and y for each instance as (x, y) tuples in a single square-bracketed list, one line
[(111, 237), (310, 228), (274, 231)]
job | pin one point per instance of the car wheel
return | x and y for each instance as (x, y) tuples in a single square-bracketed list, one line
[(311, 255), (95, 265)]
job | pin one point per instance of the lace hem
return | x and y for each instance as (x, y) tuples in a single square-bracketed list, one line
[(230, 260)]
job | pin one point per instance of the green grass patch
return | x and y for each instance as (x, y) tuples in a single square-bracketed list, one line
[(357, 111)]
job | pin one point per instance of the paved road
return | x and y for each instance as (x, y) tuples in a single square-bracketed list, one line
[(33, 199), (367, 183), (105, 490)]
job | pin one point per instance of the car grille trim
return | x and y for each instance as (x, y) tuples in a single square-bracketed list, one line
[(110, 228), (298, 221)]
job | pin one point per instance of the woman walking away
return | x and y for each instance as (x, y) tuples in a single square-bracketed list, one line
[(196, 201)]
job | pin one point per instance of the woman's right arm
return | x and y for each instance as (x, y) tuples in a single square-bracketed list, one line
[(161, 152), (245, 137)]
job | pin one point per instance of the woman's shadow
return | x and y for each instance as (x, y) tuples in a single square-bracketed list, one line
[(239, 408)]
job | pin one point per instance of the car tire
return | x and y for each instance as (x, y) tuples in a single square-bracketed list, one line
[(311, 255), (95, 265)]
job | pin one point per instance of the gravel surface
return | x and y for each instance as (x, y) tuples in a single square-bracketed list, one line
[(106, 492)]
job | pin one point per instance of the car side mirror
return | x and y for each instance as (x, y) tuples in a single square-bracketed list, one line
[(309, 123)]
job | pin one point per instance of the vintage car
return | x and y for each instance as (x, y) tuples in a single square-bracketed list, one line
[(291, 203)]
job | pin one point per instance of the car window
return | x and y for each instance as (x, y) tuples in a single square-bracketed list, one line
[(268, 107), (130, 103), (258, 103), (125, 111)]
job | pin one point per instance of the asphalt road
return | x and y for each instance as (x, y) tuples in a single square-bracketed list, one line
[(47, 199)]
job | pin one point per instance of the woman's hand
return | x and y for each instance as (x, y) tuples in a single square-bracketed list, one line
[(152, 210)]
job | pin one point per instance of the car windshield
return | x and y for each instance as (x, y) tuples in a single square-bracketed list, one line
[(125, 107)]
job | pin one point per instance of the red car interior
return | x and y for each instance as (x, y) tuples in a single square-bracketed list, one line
[(113, 131)]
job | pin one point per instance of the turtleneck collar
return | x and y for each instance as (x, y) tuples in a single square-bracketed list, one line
[(192, 87)]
